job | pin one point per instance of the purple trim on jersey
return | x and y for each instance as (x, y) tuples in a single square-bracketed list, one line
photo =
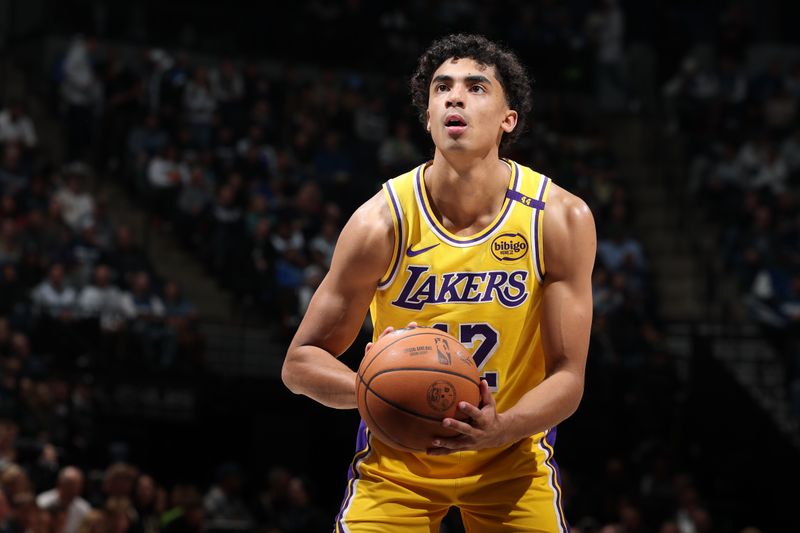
[(362, 449), (400, 241), (524, 200), (535, 235), (432, 221), (550, 442)]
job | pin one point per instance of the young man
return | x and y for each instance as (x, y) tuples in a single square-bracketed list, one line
[(496, 254)]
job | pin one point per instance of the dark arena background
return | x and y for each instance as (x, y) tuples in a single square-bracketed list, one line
[(174, 175)]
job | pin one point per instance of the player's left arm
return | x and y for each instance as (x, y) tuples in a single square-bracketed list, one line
[(570, 244)]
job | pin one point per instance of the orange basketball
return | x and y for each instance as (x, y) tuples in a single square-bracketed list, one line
[(409, 381)]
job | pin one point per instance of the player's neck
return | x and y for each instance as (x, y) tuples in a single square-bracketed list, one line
[(463, 190)]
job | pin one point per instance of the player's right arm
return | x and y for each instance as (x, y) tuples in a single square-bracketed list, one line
[(337, 310)]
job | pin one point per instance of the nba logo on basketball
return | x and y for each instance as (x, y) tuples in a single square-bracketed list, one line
[(509, 247), (443, 351)]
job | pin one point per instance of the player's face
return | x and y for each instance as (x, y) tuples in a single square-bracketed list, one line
[(467, 108)]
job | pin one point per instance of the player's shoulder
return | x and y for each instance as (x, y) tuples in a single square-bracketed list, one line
[(569, 235), (373, 218), (568, 210)]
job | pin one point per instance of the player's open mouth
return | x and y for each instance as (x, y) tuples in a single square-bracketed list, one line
[(455, 124)]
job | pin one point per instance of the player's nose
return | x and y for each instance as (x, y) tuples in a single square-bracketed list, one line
[(455, 97)]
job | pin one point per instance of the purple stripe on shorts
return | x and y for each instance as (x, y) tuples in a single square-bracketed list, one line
[(362, 449), (550, 442)]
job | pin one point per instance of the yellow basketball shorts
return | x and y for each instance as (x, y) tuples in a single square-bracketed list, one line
[(515, 489)]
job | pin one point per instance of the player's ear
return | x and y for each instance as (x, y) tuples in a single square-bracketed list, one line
[(428, 121), (509, 121)]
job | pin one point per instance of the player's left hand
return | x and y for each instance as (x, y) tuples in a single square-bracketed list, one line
[(485, 429)]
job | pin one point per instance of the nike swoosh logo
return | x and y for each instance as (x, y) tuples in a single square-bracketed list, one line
[(414, 253)]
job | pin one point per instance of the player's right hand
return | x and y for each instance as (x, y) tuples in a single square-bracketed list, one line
[(386, 332)]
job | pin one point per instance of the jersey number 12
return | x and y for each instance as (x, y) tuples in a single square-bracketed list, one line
[(488, 339)]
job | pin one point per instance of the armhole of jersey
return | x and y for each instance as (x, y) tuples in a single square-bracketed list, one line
[(537, 222), (397, 222)]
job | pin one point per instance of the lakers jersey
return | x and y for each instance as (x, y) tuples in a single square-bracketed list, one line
[(486, 290)]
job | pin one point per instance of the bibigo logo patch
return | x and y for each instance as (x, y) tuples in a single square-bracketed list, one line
[(509, 247)]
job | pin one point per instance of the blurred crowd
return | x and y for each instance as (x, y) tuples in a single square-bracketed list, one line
[(738, 116), (254, 167), (40, 494)]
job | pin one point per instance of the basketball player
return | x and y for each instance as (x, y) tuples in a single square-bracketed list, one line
[(496, 254)]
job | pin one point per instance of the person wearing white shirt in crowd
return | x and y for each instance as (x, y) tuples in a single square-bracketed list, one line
[(103, 300), (53, 297), (165, 171), (16, 126), (77, 205), (67, 496)]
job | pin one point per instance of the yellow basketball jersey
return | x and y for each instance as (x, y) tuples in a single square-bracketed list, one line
[(484, 289)]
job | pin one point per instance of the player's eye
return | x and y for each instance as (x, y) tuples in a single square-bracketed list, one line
[(477, 89), (440, 87)]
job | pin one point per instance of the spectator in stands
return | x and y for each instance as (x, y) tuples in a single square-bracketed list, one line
[(146, 504), (605, 27), (165, 175), (67, 495), (200, 103), (181, 319), (83, 253), (24, 513), (146, 141), (127, 257), (10, 245), (120, 515), (194, 200), (322, 245), (80, 95), (227, 87), (77, 204), (122, 95), (189, 515), (102, 301), (223, 503), (94, 522), (13, 172), (300, 515), (146, 312), (17, 127), (13, 291), (118, 480), (53, 298), (227, 237)]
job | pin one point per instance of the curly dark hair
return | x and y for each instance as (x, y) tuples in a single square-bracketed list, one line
[(509, 71)]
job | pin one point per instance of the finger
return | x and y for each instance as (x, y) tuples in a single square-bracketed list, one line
[(452, 444), (386, 331), (470, 410), (486, 395), (411, 325), (367, 348), (458, 425)]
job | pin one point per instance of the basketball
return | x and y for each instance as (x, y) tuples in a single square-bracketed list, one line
[(409, 381)]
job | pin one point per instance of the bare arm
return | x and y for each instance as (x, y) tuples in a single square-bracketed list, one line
[(338, 308), (570, 244)]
